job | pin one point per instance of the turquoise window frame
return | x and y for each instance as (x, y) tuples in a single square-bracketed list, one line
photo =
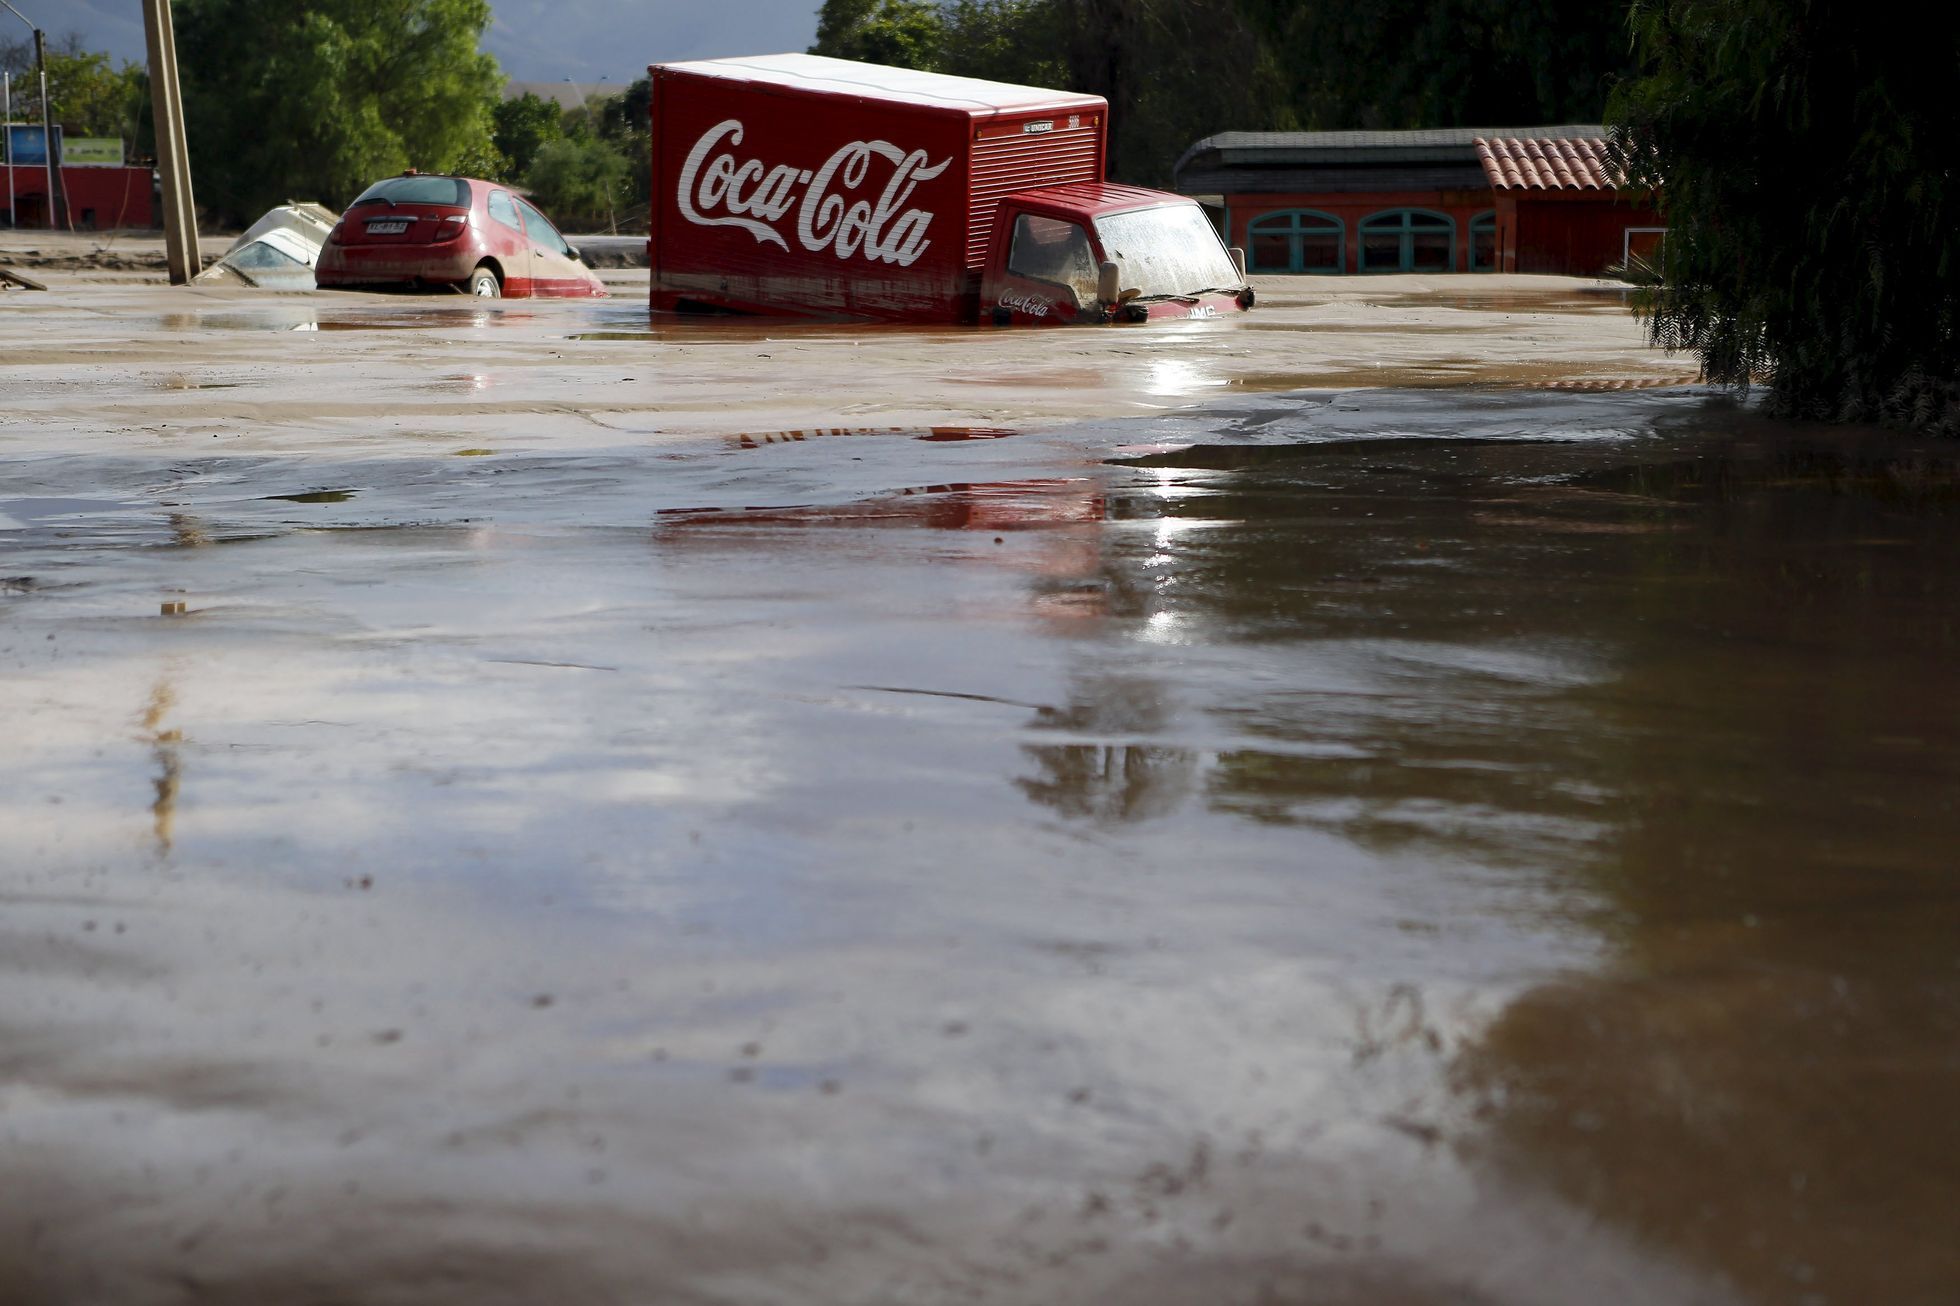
[(1482, 222), (1405, 224), (1295, 224)]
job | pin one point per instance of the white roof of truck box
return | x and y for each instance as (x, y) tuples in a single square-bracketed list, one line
[(815, 72)]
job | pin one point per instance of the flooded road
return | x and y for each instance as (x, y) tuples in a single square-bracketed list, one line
[(1113, 822)]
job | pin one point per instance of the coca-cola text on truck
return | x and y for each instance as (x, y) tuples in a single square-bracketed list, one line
[(796, 184)]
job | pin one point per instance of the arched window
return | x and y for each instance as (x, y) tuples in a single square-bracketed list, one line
[(1483, 241), (1408, 240), (1298, 240)]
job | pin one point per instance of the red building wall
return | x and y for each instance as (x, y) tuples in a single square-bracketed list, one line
[(1537, 232), (1351, 207), (101, 199), (1576, 236)]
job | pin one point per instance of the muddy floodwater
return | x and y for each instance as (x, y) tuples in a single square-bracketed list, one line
[(1398, 799)]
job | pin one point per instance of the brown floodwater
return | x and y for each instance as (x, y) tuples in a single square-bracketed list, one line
[(1398, 846)]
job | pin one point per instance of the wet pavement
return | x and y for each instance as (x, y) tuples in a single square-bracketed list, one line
[(1096, 825)]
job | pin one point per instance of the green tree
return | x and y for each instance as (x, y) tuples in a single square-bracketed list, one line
[(1172, 70), (902, 33), (579, 182), (624, 122), (315, 99), (1444, 63), (91, 98), (1807, 161), (86, 94), (1019, 41), (521, 127)]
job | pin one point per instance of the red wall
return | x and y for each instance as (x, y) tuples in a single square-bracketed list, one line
[(1575, 237), (1351, 207), (1536, 231), (100, 198)]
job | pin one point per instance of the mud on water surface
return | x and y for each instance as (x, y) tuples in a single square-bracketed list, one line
[(525, 804)]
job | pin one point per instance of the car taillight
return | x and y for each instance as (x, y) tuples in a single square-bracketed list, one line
[(449, 226)]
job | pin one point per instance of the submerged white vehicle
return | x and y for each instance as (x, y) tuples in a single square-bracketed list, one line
[(278, 252)]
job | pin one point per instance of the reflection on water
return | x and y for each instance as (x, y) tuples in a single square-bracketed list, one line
[(930, 434), (187, 532), (164, 747), (1502, 855), (1000, 505), (306, 316), (1703, 705), (1101, 780)]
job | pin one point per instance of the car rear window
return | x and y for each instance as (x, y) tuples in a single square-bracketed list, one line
[(416, 190)]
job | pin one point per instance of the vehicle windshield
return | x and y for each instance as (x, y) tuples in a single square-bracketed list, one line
[(1167, 251), (416, 190)]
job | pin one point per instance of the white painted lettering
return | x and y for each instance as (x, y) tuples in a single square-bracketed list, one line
[(835, 212)]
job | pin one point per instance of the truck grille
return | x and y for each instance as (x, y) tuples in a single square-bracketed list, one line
[(1005, 164)]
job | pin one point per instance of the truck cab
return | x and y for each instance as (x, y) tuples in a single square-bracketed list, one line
[(1095, 252)]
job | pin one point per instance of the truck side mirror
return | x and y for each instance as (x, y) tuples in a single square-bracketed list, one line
[(1107, 284), (1238, 260)]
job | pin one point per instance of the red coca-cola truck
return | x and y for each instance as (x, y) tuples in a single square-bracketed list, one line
[(796, 184)]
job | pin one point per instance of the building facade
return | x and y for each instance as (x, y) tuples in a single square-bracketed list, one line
[(99, 198), (1505, 199)]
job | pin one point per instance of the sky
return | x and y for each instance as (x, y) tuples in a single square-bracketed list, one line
[(534, 40)]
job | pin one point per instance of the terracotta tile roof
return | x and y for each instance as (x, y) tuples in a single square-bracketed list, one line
[(1538, 163)]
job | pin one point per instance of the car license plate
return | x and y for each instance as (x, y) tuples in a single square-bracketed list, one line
[(387, 227)]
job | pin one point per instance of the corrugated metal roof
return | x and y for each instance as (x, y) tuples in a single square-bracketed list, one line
[(1263, 151), (1368, 176), (1466, 136), (1547, 163)]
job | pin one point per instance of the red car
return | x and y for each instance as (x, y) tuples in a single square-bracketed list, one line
[(422, 230)]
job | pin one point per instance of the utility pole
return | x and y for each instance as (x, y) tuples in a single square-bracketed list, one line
[(57, 188), (173, 158), (7, 87)]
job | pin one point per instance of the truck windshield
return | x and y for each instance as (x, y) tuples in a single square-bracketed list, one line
[(1167, 251)]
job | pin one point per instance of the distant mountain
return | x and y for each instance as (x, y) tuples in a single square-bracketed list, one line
[(534, 40)]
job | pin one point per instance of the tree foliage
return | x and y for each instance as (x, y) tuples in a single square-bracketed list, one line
[(315, 99), (623, 121), (1397, 64), (579, 182), (87, 95), (1808, 159), (520, 127), (902, 33), (1172, 70)]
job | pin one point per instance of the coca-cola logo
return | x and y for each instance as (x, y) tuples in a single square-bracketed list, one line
[(1032, 305), (716, 191)]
